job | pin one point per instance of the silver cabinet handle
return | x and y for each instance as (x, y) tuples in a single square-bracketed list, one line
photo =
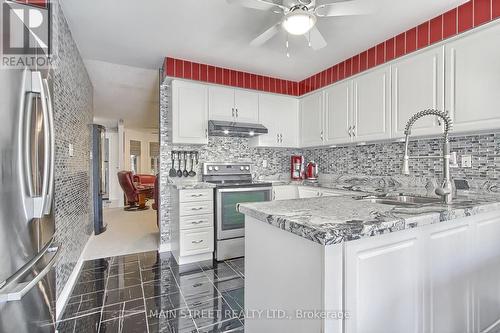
[(197, 222), (277, 138), (197, 208), (196, 195), (281, 138), (274, 195), (236, 112), (232, 111), (349, 131), (197, 242), (321, 135), (206, 135), (354, 130)]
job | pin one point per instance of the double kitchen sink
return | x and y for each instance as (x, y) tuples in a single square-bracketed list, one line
[(400, 200)]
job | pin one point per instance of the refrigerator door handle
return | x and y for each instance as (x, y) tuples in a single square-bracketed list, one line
[(28, 107), (15, 291), (39, 201), (50, 122)]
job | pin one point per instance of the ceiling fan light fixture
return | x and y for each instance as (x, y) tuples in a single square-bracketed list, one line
[(299, 22)]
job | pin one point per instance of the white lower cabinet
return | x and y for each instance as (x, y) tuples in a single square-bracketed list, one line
[(285, 192), (383, 293), (309, 192), (440, 278), (192, 225), (288, 192)]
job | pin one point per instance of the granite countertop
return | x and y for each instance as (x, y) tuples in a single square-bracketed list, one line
[(333, 220)]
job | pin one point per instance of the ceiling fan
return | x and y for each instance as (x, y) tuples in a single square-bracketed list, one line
[(299, 17)]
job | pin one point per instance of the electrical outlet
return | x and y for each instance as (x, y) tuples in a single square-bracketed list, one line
[(264, 163), (453, 160), (466, 161), (71, 151)]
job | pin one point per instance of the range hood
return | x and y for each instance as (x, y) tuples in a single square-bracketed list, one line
[(235, 129)]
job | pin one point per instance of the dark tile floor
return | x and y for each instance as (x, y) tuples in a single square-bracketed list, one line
[(149, 292)]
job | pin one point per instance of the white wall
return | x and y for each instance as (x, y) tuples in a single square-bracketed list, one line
[(145, 137)]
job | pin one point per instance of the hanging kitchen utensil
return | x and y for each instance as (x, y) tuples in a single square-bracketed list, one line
[(172, 172), (185, 173), (179, 171), (192, 173)]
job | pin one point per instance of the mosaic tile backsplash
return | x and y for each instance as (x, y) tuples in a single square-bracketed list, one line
[(382, 159), (73, 113)]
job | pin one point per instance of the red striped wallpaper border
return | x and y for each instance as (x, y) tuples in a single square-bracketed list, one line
[(458, 20)]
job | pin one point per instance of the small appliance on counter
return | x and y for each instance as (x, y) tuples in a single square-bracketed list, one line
[(312, 171), (297, 167)]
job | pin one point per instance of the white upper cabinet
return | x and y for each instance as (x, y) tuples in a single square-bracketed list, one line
[(233, 104), (221, 103), (311, 120), (246, 105), (189, 113), (338, 113), (473, 80), (372, 106), (418, 84), (280, 115)]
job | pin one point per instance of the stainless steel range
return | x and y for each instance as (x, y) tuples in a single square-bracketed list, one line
[(234, 185)]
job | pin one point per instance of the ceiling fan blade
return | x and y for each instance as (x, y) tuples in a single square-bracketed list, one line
[(315, 39), (342, 8), (266, 35), (258, 4)]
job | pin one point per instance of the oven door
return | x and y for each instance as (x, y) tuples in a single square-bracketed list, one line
[(231, 223)]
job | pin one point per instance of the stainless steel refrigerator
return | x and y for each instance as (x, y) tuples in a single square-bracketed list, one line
[(27, 249)]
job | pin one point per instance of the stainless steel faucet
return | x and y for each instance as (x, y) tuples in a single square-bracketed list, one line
[(446, 189)]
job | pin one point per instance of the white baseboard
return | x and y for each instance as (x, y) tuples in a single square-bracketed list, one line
[(164, 247), (68, 288)]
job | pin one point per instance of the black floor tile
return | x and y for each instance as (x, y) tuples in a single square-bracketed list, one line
[(131, 324), (87, 324), (137, 292), (231, 325), (123, 295)]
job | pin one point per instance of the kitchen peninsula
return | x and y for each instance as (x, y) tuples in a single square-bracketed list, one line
[(390, 262)]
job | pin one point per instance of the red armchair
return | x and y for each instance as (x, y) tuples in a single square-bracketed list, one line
[(132, 193), (145, 179)]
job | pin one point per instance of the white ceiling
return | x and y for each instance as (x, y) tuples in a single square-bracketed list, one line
[(139, 34), (124, 92)]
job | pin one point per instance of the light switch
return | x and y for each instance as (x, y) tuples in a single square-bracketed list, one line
[(70, 148), (466, 161), (264, 163)]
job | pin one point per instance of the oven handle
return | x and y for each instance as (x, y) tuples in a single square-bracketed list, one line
[(244, 189)]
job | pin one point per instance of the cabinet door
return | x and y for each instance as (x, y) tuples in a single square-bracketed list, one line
[(221, 103), (311, 120), (486, 257), (418, 84), (246, 105), (288, 120), (448, 288), (305, 192), (338, 113), (473, 80), (190, 113), (285, 192), (270, 114), (372, 105), (383, 284)]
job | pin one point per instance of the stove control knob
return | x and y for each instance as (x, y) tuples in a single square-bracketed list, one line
[(210, 168), (216, 168), (247, 168), (242, 168)]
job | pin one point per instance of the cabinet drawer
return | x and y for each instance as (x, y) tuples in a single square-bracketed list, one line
[(197, 221), (196, 241), (196, 208), (196, 195)]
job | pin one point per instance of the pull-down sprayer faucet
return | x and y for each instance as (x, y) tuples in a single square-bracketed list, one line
[(446, 189)]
